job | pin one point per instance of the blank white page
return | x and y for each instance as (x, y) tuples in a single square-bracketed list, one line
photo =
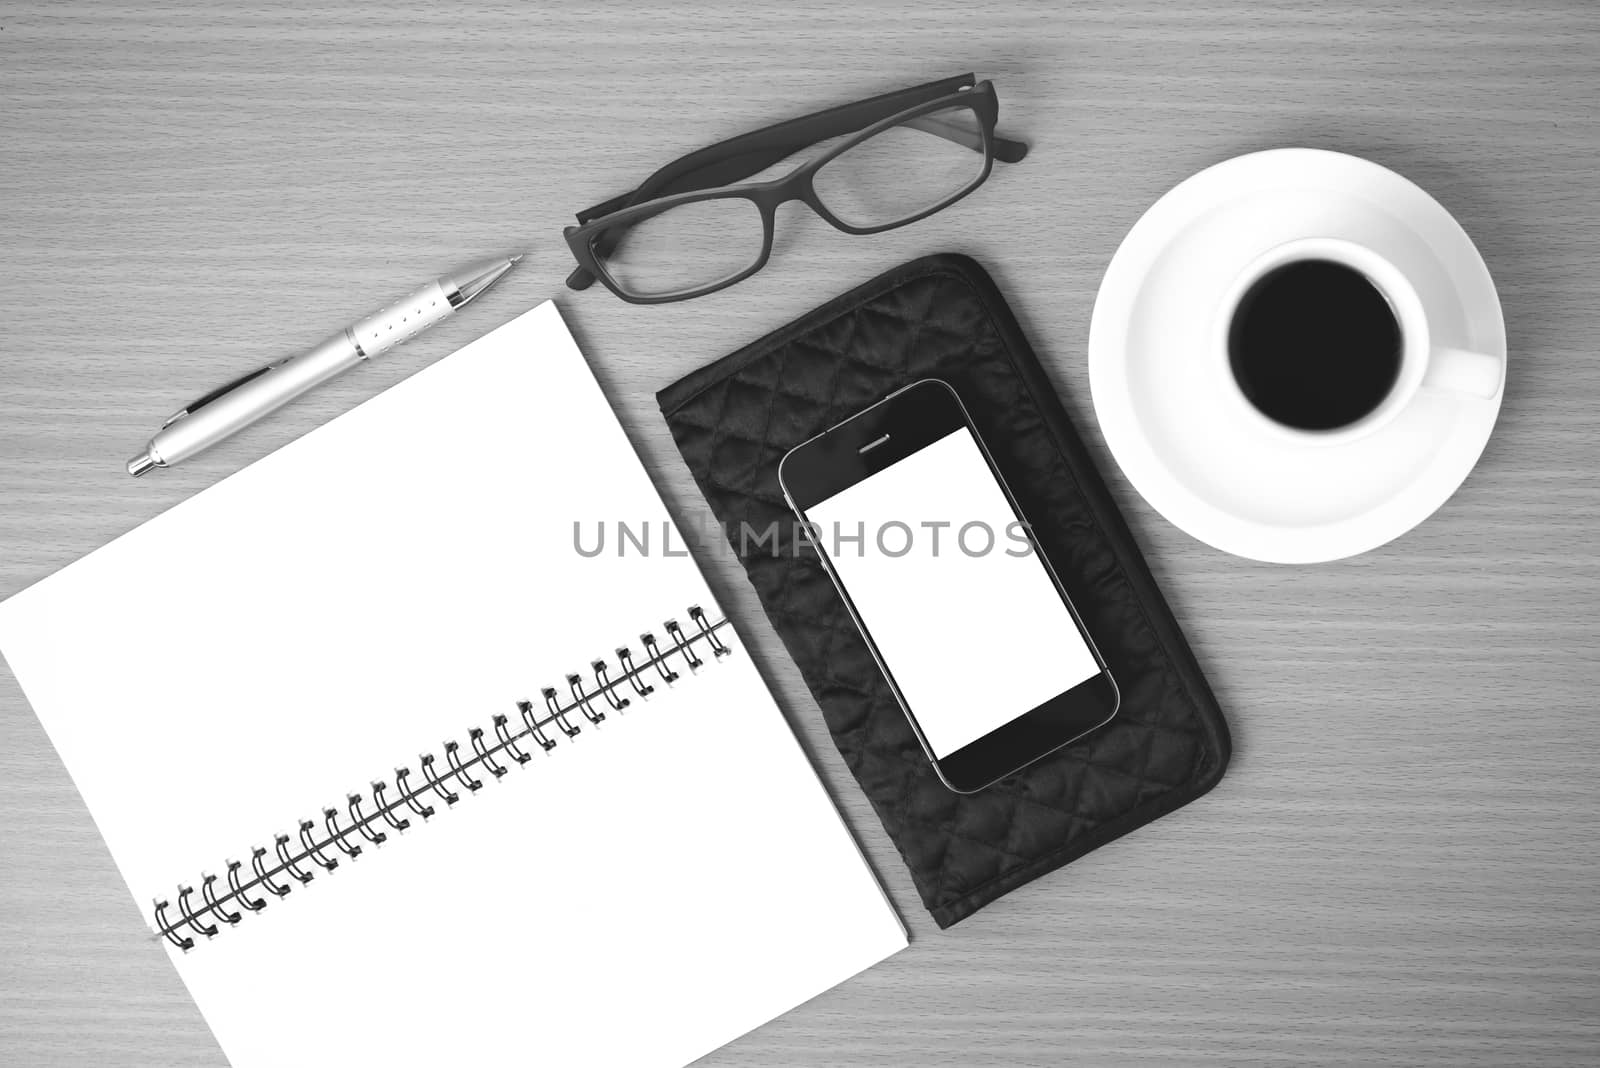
[(640, 895)]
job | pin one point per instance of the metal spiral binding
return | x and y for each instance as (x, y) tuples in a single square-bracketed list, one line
[(326, 847)]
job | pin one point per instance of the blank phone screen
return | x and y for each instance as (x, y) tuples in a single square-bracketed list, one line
[(964, 615)]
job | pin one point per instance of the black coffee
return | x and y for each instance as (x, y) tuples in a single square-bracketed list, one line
[(1314, 345)]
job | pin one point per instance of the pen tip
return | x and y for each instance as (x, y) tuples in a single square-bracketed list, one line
[(517, 258), (475, 279)]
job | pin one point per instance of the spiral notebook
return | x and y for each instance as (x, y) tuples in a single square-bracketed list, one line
[(401, 770)]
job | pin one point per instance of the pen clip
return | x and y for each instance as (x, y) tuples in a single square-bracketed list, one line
[(222, 390)]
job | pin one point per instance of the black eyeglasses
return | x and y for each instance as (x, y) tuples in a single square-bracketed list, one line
[(687, 231)]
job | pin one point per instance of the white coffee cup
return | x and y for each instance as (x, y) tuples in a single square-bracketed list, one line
[(1424, 366)]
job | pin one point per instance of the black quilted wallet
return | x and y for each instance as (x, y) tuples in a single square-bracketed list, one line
[(942, 317)]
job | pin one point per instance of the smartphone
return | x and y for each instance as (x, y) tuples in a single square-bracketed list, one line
[(967, 619)]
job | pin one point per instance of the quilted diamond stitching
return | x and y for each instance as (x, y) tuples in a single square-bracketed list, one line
[(962, 851)]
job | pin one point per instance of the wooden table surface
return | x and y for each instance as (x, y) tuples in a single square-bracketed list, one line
[(1400, 866)]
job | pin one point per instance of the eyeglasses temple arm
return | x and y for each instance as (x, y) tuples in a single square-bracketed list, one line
[(730, 161), (1005, 149), (727, 169), (750, 153)]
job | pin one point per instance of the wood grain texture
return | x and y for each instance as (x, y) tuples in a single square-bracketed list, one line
[(1400, 867)]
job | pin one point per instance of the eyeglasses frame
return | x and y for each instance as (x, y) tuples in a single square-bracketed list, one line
[(757, 148)]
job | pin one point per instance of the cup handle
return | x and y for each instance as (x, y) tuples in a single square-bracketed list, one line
[(1462, 371)]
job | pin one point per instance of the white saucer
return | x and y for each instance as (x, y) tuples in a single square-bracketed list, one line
[(1158, 397)]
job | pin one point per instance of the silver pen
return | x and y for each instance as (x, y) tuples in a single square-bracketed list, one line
[(232, 407)]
